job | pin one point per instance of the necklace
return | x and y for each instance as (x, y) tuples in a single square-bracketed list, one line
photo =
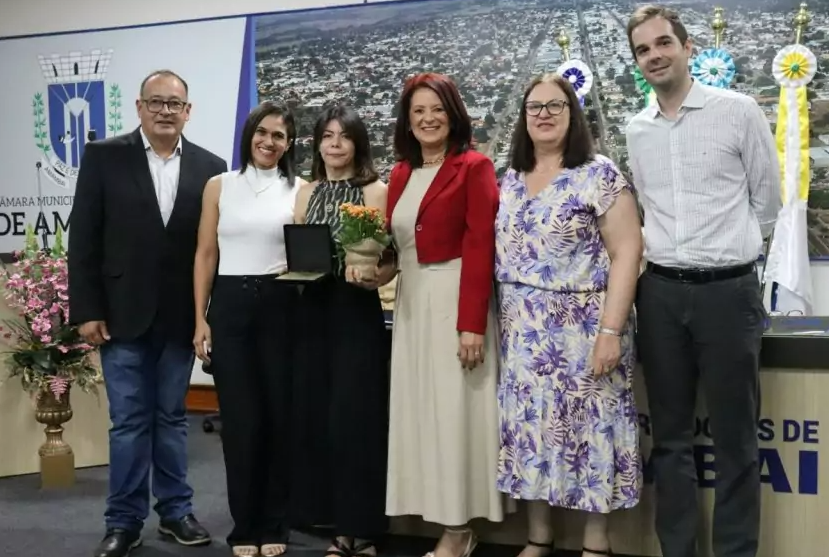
[(434, 161), (555, 166), (347, 183), (267, 186), (552, 169)]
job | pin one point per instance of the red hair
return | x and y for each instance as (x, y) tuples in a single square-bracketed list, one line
[(406, 146)]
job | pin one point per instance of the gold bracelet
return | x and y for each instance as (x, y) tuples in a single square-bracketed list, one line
[(609, 331)]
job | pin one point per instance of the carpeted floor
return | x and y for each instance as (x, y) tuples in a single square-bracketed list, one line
[(35, 523)]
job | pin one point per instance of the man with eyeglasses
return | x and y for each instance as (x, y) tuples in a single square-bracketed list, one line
[(132, 244)]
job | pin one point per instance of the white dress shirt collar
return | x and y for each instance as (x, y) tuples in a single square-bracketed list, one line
[(148, 147), (694, 99)]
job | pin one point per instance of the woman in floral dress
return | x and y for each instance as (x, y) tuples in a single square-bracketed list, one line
[(568, 247)]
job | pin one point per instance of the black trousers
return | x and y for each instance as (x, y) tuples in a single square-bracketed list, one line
[(340, 406), (251, 321), (708, 335)]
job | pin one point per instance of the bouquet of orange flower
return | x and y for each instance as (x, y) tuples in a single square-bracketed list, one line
[(363, 238)]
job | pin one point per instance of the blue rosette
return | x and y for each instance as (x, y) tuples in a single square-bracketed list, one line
[(714, 67), (578, 74)]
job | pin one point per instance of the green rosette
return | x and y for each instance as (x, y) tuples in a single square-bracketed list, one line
[(643, 86)]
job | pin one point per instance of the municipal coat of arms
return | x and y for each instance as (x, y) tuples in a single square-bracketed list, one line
[(76, 108)]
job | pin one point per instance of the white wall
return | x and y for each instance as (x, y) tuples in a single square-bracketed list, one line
[(56, 16), (27, 18), (21, 19)]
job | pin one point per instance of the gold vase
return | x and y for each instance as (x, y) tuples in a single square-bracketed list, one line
[(57, 461)]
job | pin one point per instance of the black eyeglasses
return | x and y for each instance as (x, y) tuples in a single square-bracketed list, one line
[(554, 107), (175, 106)]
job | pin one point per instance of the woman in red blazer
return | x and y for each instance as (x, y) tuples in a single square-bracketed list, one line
[(442, 204)]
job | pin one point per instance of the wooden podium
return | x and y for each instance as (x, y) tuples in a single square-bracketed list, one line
[(795, 385)]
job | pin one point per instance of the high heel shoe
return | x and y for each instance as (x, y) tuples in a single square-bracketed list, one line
[(361, 549), (550, 547), (471, 542), (273, 549), (339, 549)]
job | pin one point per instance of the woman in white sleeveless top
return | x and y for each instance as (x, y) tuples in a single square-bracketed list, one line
[(247, 335)]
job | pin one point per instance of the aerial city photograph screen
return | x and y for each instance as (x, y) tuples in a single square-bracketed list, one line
[(361, 56)]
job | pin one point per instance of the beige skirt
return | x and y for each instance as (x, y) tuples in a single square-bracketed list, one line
[(443, 438)]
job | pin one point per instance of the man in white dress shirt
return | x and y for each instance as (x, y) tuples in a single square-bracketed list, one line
[(705, 166), (132, 244)]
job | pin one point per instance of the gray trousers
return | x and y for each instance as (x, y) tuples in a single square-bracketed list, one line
[(708, 335)]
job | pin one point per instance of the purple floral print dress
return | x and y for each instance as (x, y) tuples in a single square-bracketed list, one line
[(566, 438)]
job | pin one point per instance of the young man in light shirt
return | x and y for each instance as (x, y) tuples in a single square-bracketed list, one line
[(705, 166)]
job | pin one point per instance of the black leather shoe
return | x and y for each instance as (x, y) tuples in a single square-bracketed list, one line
[(118, 543), (186, 531)]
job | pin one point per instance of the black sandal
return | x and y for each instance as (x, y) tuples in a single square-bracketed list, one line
[(340, 549), (551, 546), (606, 552), (359, 549)]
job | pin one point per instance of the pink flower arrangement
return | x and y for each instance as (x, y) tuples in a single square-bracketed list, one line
[(46, 352)]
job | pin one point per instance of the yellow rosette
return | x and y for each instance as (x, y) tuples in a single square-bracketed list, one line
[(794, 66)]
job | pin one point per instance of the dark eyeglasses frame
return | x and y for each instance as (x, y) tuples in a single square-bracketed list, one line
[(554, 107), (161, 104)]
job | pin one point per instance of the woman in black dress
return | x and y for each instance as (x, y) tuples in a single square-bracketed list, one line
[(341, 377)]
